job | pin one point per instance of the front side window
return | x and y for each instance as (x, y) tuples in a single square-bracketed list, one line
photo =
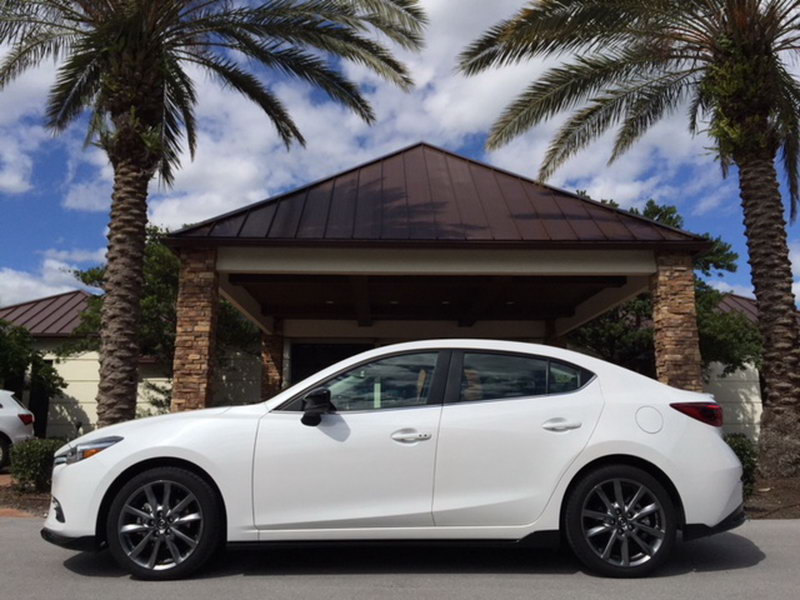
[(394, 382), (495, 376)]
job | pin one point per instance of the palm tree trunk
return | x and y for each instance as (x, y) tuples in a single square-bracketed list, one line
[(119, 344), (765, 228)]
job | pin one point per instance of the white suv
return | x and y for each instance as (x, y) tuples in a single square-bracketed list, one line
[(16, 425)]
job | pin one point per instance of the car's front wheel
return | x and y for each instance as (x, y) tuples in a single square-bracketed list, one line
[(620, 521), (164, 523)]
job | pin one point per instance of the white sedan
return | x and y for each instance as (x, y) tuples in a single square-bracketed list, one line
[(435, 440)]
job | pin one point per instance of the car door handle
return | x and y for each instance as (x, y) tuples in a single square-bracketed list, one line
[(559, 424), (408, 436)]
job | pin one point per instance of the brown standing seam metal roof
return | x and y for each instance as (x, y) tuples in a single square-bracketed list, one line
[(424, 194), (54, 316), (744, 305), (740, 304)]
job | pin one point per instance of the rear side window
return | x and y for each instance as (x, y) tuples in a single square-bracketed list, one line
[(566, 378), (495, 376)]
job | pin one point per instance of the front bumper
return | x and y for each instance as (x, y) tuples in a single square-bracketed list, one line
[(733, 520), (87, 543)]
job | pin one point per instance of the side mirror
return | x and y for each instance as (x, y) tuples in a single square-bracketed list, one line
[(315, 404)]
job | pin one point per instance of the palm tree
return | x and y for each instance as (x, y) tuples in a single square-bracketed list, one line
[(630, 63), (125, 61)]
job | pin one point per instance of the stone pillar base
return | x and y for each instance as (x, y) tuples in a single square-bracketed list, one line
[(197, 307), (677, 344)]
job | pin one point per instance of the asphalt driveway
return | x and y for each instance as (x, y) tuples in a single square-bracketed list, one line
[(756, 561)]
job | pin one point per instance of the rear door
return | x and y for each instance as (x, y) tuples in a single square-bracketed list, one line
[(511, 424), (368, 465)]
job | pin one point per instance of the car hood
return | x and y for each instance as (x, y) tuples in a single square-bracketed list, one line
[(130, 427)]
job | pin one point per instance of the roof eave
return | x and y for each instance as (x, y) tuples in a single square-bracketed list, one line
[(693, 246)]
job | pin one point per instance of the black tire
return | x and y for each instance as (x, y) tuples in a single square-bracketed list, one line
[(5, 451), (167, 526), (631, 542)]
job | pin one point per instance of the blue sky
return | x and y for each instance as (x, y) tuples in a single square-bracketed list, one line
[(54, 193)]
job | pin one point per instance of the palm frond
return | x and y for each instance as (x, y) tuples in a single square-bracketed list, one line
[(550, 27), (563, 87), (648, 105), (583, 127), (77, 83), (402, 21), (31, 51), (124, 61), (788, 124), (296, 63), (247, 84), (331, 27), (178, 116)]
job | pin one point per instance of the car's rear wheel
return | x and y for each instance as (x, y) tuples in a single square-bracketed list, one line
[(164, 523), (620, 521)]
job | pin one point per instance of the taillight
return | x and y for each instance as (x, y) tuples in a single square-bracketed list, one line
[(709, 413), (26, 418)]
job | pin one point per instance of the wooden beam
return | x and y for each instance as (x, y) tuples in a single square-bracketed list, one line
[(601, 302), (360, 286), (594, 280)]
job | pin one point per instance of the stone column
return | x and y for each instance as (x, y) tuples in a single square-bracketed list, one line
[(677, 344), (197, 307), (271, 364)]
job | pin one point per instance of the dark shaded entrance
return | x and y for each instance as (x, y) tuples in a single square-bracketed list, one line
[(308, 358)]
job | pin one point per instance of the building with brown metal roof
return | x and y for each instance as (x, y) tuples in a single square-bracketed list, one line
[(51, 317), (51, 321), (420, 243), (424, 243)]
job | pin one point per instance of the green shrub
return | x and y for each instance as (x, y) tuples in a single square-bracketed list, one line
[(32, 464), (747, 451)]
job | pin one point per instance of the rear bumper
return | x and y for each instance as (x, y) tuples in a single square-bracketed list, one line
[(22, 434), (733, 520), (86, 543)]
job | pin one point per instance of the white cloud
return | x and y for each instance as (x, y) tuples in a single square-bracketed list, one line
[(91, 196), (794, 256), (76, 255), (53, 275), (19, 137)]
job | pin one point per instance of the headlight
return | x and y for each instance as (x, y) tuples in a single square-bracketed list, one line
[(85, 450)]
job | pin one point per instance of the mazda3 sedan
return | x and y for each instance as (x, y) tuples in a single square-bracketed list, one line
[(435, 440)]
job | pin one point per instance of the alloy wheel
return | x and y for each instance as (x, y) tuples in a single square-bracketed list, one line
[(160, 525), (623, 522)]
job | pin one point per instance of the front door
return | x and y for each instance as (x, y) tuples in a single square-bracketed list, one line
[(370, 464), (511, 425)]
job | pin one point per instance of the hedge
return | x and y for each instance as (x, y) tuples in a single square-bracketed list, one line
[(32, 464)]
